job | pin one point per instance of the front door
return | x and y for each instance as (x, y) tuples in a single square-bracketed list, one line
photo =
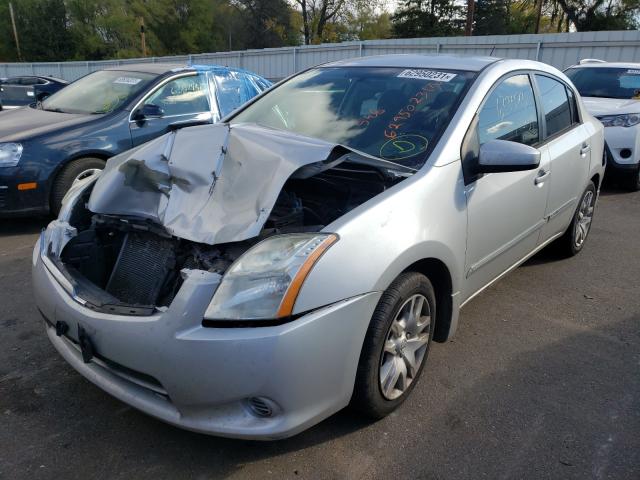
[(505, 210), (180, 100)]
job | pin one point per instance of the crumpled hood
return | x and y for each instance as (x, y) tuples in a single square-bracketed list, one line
[(26, 122), (209, 184), (610, 106)]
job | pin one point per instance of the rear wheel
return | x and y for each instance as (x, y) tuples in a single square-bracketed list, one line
[(573, 240), (74, 170), (396, 345)]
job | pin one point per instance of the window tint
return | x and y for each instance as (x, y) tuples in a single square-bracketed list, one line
[(13, 81), (509, 113), (182, 96), (555, 104), (29, 81)]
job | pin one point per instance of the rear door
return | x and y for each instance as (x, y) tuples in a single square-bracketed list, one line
[(182, 99), (566, 143), (13, 92), (505, 210)]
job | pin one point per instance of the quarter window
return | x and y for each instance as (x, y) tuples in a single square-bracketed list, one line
[(555, 104), (509, 113), (182, 96)]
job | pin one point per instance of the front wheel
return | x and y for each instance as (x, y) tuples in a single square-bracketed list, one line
[(75, 170), (573, 240), (396, 345)]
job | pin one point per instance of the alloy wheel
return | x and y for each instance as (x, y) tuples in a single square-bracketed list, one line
[(583, 222), (405, 347)]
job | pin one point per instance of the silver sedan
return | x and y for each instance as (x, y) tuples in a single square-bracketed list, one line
[(250, 278)]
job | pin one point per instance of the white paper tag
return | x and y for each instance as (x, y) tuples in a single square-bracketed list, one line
[(127, 80), (30, 94), (634, 72), (428, 75)]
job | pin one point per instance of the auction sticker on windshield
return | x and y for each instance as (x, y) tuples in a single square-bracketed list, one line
[(127, 80), (427, 75)]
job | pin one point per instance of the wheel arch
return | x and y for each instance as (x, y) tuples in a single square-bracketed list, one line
[(440, 277), (99, 154)]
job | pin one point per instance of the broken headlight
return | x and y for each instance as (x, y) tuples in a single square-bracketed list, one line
[(265, 281)]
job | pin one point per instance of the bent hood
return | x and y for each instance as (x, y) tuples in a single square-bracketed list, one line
[(27, 122), (610, 106), (212, 183)]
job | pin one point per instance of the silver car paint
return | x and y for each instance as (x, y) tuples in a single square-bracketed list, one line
[(307, 367)]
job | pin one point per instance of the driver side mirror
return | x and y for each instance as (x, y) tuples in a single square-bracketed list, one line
[(505, 156), (147, 112)]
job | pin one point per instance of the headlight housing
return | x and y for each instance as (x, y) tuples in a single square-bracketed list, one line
[(10, 154), (265, 281), (625, 120)]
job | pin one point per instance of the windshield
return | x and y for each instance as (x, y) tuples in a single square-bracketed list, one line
[(98, 92), (396, 114), (606, 82)]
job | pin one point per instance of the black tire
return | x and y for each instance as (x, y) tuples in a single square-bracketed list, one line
[(568, 244), (65, 179), (632, 180), (368, 398)]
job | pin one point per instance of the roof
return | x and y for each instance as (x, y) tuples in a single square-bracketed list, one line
[(157, 68), (162, 68), (446, 62), (608, 65)]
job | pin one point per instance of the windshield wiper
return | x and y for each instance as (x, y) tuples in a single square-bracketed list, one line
[(57, 110)]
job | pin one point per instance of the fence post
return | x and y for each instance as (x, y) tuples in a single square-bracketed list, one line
[(538, 51), (88, 68), (361, 48), (438, 48), (295, 60)]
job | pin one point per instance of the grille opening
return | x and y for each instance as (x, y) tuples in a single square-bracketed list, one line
[(261, 407)]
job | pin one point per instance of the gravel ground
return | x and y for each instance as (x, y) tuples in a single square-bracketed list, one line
[(541, 381)]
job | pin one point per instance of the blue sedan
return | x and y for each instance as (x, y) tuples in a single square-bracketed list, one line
[(45, 147)]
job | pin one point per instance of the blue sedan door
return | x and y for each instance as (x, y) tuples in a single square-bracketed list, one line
[(181, 99)]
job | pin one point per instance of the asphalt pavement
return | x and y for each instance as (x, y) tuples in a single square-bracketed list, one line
[(541, 381)]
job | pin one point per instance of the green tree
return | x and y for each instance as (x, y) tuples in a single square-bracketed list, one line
[(428, 18), (43, 30)]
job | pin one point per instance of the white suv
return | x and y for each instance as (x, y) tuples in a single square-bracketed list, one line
[(611, 93)]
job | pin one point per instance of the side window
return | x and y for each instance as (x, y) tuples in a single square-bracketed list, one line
[(29, 81), (555, 104), (231, 90), (573, 104), (182, 96), (509, 113)]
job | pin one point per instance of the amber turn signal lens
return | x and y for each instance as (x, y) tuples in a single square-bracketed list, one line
[(27, 186), (286, 306)]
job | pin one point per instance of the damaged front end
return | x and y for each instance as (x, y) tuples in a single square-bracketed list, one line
[(196, 200)]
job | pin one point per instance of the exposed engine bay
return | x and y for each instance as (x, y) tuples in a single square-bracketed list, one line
[(132, 265)]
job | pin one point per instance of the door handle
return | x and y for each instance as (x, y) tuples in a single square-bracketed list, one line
[(586, 148), (542, 176)]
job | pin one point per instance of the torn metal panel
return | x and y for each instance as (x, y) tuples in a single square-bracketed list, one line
[(209, 184)]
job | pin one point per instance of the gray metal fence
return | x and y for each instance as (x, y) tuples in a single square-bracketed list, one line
[(558, 49)]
